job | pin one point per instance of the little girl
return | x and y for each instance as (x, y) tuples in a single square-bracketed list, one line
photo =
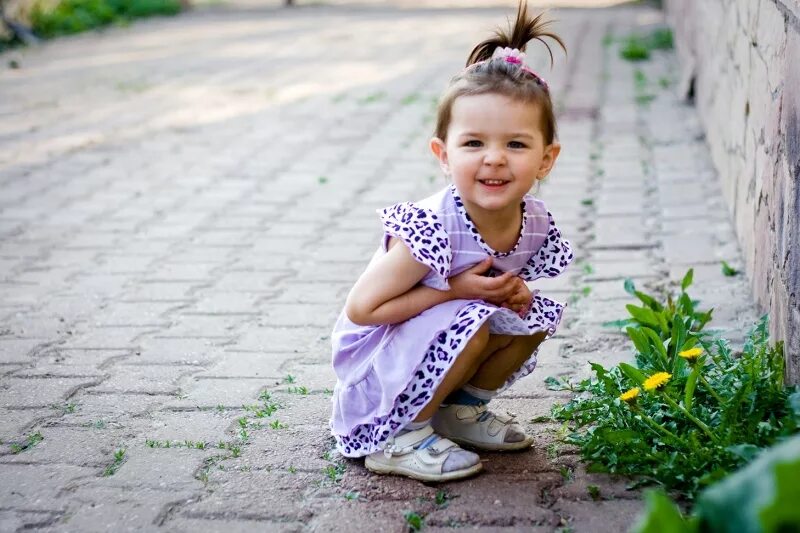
[(441, 320)]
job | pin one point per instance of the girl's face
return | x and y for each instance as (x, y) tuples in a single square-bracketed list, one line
[(495, 150)]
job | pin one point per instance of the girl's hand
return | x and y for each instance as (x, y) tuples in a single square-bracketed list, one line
[(520, 299), (473, 285)]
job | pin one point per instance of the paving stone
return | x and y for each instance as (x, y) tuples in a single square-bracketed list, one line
[(178, 426), (17, 423), (319, 315), (170, 469), (268, 339), (108, 338), (146, 379), (229, 392), (178, 350), (268, 366), (112, 410), (39, 392), (14, 350), (36, 487), (70, 362), (155, 291), (92, 503), (600, 517), (21, 519), (74, 446)]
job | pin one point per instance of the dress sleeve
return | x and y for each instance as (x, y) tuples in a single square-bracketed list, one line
[(552, 258), (424, 235)]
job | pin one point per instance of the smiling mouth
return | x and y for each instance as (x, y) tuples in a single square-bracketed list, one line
[(493, 183)]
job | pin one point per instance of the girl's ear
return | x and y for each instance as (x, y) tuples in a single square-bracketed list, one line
[(439, 149), (549, 159)]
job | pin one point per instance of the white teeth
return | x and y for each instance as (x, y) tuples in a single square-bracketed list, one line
[(493, 182)]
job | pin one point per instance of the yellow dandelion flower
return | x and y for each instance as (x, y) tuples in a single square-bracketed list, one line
[(691, 354), (656, 381), (630, 396)]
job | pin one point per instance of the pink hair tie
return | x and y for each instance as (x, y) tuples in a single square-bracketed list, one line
[(514, 56)]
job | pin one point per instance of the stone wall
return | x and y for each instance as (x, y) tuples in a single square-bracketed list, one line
[(744, 59)]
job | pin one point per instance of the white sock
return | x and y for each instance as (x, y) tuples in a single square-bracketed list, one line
[(482, 394), (413, 426)]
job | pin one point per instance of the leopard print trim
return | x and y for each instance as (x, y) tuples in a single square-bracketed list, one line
[(552, 258), (423, 233)]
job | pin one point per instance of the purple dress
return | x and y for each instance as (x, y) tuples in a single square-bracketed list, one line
[(386, 374)]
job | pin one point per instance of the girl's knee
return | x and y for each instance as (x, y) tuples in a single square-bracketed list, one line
[(479, 341)]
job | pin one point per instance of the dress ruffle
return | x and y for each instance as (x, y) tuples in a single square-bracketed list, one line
[(424, 235), (552, 258)]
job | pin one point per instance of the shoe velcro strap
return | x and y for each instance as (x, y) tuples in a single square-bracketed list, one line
[(403, 444), (441, 446)]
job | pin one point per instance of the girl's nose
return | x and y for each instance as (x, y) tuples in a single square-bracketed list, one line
[(494, 157)]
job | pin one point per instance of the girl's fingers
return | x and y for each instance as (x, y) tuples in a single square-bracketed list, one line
[(482, 267)]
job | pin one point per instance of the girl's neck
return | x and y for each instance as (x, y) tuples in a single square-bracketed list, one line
[(499, 228)]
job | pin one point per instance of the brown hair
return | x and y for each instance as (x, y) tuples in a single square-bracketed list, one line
[(486, 75)]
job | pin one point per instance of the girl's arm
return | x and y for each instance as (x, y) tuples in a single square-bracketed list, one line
[(388, 292)]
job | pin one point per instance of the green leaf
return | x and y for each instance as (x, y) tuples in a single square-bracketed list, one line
[(556, 384), (630, 288), (759, 497), (748, 452), (602, 375), (649, 301), (642, 315), (618, 323), (663, 324), (688, 390), (728, 270), (662, 516), (678, 336), (687, 279), (618, 436), (784, 513), (658, 343), (636, 375), (794, 405), (639, 340)]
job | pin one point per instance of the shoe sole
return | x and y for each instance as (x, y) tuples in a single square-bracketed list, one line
[(381, 468), (490, 447)]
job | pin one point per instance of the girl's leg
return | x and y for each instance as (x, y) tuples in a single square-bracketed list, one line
[(420, 455), (465, 418), (464, 366), (497, 367)]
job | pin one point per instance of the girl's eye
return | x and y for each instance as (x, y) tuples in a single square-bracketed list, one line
[(473, 144), (516, 144)]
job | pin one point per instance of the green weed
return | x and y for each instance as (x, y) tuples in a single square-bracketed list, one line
[(414, 520), (277, 424), (30, 442), (728, 270), (119, 457), (691, 410), (410, 99), (372, 98), (335, 472)]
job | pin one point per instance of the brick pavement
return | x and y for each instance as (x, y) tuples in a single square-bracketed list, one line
[(184, 204)]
